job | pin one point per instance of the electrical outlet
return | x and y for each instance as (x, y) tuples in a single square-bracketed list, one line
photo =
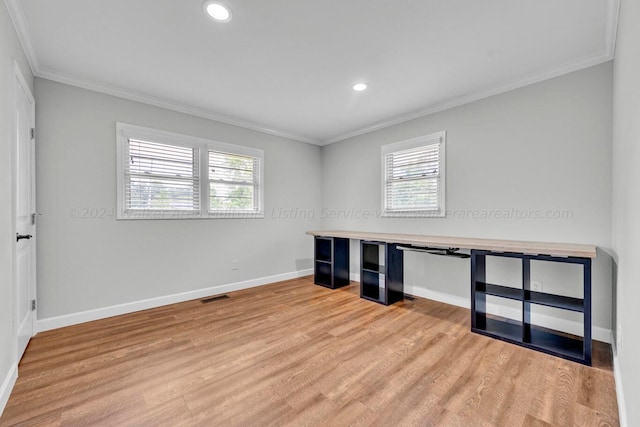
[(536, 286), (234, 264)]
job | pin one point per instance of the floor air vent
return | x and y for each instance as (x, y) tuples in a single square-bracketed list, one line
[(212, 299), (409, 297)]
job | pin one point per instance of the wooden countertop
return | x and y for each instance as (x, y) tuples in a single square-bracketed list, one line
[(537, 248)]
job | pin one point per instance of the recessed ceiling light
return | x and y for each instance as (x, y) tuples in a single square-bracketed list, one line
[(359, 87), (218, 11)]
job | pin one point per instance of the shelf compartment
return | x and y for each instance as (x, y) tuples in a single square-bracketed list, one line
[(373, 257), (540, 298), (324, 249), (524, 331), (323, 274), (373, 286), (500, 291), (503, 328), (331, 262), (556, 343), (542, 339), (381, 272), (556, 301)]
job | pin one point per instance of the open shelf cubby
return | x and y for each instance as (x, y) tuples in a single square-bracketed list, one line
[(381, 272), (524, 331), (331, 262)]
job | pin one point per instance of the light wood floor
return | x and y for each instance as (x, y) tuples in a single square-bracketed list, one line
[(293, 353)]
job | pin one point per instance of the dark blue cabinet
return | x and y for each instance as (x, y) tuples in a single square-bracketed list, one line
[(331, 262), (523, 332)]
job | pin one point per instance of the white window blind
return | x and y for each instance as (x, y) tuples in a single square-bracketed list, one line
[(413, 177), (161, 177), (233, 182)]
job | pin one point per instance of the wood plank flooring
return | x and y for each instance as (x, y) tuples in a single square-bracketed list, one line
[(296, 354)]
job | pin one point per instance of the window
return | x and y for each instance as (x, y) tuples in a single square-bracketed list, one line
[(162, 175), (413, 175), (233, 182)]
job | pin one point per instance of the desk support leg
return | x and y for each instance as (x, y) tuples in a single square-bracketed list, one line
[(587, 311), (526, 309), (478, 300)]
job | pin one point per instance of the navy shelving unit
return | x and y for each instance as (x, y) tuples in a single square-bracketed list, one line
[(381, 272), (331, 262), (523, 332)]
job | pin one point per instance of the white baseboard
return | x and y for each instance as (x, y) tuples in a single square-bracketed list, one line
[(7, 386), (622, 408), (130, 307), (568, 326), (438, 296)]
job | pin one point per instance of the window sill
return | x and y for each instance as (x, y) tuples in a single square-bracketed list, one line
[(155, 215), (413, 214)]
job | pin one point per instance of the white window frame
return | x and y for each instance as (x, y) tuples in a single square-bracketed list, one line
[(422, 141), (125, 131)]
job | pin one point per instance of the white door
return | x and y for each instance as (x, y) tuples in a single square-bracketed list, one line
[(25, 253)]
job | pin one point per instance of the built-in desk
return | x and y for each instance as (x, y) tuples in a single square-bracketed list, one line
[(381, 276)]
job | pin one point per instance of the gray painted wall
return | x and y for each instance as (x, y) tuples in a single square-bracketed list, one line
[(96, 262), (626, 203), (10, 51), (545, 147)]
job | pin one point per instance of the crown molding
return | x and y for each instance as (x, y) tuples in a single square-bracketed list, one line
[(611, 29), (21, 25), (144, 98), (456, 102)]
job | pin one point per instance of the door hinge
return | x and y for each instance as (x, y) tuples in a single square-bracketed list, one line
[(33, 305), (33, 133), (33, 217)]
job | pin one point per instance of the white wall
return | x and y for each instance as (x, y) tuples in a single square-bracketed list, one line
[(97, 262), (626, 204), (10, 50), (545, 147)]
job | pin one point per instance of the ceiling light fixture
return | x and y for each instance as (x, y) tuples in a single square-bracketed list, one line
[(359, 87), (218, 11)]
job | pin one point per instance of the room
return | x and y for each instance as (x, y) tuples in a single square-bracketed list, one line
[(183, 183)]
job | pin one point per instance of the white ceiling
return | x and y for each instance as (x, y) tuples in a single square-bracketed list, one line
[(287, 66)]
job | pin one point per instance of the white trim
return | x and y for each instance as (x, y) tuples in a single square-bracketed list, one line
[(131, 307), (7, 386), (21, 25), (23, 82), (443, 297), (611, 30), (144, 98), (478, 95), (622, 408), (211, 115)]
